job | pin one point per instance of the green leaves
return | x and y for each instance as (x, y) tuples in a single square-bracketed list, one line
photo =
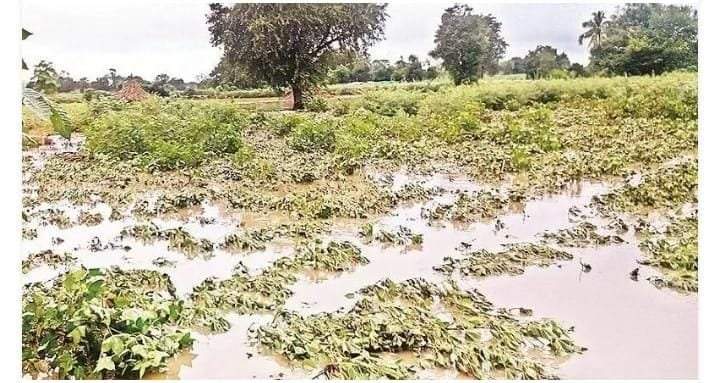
[(511, 261), (675, 251), (114, 344), (104, 363), (124, 315), (400, 318), (260, 40), (468, 44), (77, 334), (168, 136), (644, 39), (44, 108)]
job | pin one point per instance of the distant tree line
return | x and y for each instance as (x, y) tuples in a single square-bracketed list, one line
[(640, 39), (543, 62), (301, 46), (46, 79), (361, 69)]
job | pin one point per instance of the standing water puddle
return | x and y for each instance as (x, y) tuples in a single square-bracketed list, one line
[(632, 330)]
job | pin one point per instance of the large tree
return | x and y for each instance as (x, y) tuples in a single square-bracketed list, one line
[(648, 38), (469, 45), (289, 45)]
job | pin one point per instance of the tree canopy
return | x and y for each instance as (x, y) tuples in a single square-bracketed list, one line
[(648, 38), (543, 60), (289, 45), (469, 45), (45, 78)]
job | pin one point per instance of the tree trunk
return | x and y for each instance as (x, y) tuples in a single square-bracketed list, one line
[(297, 98)]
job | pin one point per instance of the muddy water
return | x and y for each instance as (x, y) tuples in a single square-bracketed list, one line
[(130, 254), (230, 355), (631, 329), (399, 263)]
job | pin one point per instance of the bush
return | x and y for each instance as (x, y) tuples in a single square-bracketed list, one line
[(91, 325), (664, 97), (317, 104), (357, 135), (167, 135), (389, 103), (282, 125), (531, 127), (313, 134), (453, 114)]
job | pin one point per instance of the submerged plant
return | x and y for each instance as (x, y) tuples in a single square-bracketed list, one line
[(89, 219), (513, 260), (469, 207), (675, 252), (47, 257), (402, 236), (399, 317), (581, 235)]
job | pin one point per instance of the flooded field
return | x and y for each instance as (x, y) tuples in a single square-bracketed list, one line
[(557, 240), (604, 305)]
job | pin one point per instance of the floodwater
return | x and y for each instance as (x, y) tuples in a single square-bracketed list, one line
[(630, 328), (229, 355)]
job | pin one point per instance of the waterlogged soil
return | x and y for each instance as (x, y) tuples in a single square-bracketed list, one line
[(627, 327)]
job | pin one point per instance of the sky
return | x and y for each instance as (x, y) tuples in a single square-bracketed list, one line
[(150, 37)]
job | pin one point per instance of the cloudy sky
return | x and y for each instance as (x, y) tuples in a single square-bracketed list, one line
[(147, 37)]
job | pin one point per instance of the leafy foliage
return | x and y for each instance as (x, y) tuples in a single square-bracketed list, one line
[(582, 235), (46, 109), (648, 38), (45, 78), (167, 135), (469, 45), (675, 251), (513, 260), (544, 61), (595, 32), (288, 45), (92, 325), (398, 317)]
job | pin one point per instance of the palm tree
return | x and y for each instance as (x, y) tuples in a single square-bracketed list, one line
[(595, 30)]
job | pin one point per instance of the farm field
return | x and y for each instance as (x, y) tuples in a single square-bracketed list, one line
[(505, 229)]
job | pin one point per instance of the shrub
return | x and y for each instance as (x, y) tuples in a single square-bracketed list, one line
[(91, 325), (357, 135), (285, 123), (662, 98), (317, 104), (167, 135), (454, 114), (532, 126), (389, 103), (313, 134)]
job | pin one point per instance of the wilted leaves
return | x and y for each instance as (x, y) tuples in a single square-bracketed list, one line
[(399, 317)]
